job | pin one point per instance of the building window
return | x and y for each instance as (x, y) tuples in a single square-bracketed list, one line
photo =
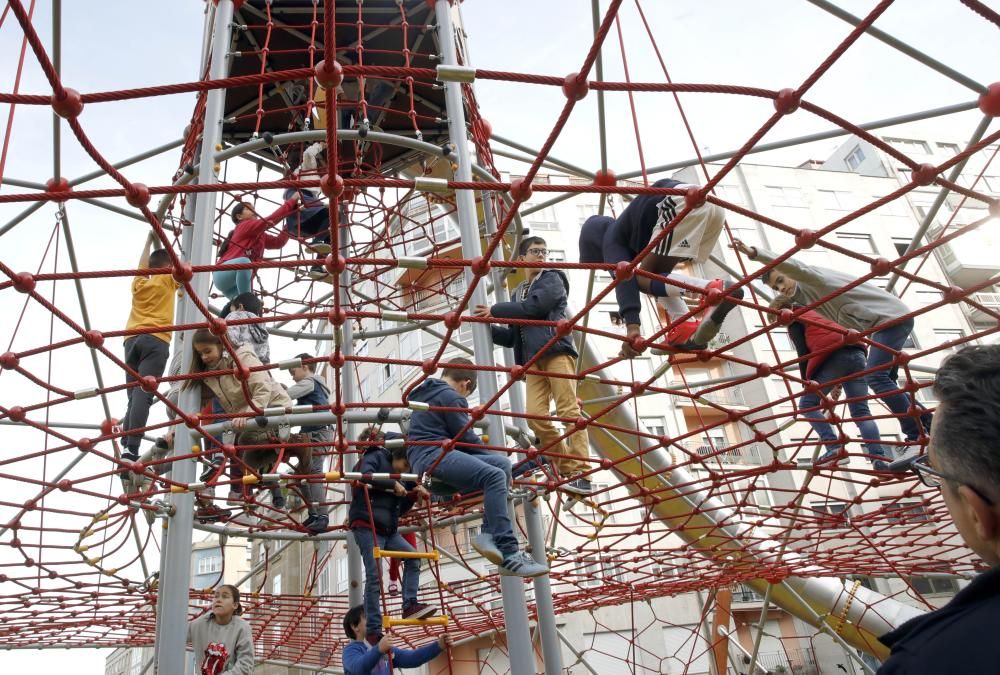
[(992, 183), (901, 244), (951, 148), (343, 576), (906, 512), (731, 193), (910, 342), (781, 340), (926, 392), (655, 425), (857, 242), (835, 200), (855, 158), (276, 584), (943, 335), (833, 513), (908, 146), (556, 256), (934, 585), (787, 197), (929, 297), (471, 533), (209, 565)]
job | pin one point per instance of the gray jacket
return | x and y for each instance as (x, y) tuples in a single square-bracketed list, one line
[(861, 308), (235, 638)]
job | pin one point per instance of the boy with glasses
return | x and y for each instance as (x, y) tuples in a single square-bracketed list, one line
[(543, 295), (963, 460)]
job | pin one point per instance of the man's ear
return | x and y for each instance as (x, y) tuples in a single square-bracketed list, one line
[(981, 513)]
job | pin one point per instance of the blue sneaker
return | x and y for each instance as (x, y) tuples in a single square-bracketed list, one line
[(484, 544), (833, 457)]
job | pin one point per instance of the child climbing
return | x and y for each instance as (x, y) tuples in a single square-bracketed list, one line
[(543, 295), (862, 307), (609, 240), (823, 357), (466, 466), (360, 658), (247, 306), (310, 389), (146, 353), (246, 244), (388, 499)]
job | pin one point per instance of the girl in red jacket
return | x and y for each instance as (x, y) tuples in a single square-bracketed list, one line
[(824, 358), (246, 244)]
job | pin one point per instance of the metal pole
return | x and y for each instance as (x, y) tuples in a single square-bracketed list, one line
[(522, 660), (576, 652), (551, 654), (175, 573)]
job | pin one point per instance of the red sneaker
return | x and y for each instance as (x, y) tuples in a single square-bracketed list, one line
[(682, 332), (714, 284)]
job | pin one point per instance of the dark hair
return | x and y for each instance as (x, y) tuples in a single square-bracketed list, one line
[(967, 421), (372, 433), (250, 302), (399, 452), (352, 618), (236, 597), (237, 210), (528, 243), (310, 366), (159, 258), (460, 374)]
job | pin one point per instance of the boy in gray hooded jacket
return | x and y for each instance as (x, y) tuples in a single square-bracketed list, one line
[(310, 389), (864, 307)]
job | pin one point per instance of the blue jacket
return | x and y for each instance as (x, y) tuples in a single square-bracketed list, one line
[(546, 300), (437, 426), (310, 390), (960, 637), (621, 240), (386, 506), (360, 658)]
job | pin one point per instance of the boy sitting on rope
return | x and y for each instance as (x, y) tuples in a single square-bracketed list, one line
[(466, 466), (380, 505), (609, 240), (862, 307)]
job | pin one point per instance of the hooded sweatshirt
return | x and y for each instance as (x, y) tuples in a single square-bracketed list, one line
[(544, 297), (249, 238), (861, 308), (437, 426), (221, 650), (310, 390), (360, 658)]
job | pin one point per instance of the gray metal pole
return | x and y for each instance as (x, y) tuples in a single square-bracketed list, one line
[(175, 574), (522, 660), (551, 653)]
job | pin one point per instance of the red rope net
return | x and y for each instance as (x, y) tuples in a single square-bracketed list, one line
[(80, 551)]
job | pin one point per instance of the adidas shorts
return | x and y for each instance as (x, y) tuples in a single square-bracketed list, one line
[(694, 237)]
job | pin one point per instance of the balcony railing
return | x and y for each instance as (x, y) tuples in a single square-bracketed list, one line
[(728, 454)]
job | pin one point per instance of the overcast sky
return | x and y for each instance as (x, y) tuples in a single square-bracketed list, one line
[(117, 44)]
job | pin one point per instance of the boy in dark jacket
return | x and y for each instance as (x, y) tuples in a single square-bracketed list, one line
[(466, 466), (609, 240), (824, 357), (543, 295), (310, 389), (388, 499), (360, 658)]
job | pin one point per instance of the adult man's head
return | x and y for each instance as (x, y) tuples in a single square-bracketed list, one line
[(532, 250), (462, 380), (965, 445)]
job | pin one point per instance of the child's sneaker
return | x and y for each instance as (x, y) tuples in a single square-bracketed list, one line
[(833, 457), (316, 523), (393, 588), (277, 499), (580, 486), (485, 546), (209, 513), (521, 564), (418, 610)]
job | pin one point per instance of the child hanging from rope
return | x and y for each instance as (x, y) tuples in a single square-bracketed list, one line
[(210, 355), (246, 244), (467, 467), (824, 357), (360, 658), (609, 240), (153, 299), (222, 640), (543, 295), (388, 499), (310, 389), (375, 435), (864, 308)]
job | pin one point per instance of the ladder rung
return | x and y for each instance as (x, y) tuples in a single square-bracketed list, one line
[(429, 555), (389, 622)]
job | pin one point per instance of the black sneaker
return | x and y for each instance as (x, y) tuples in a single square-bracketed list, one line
[(580, 486), (318, 273), (210, 470), (316, 523), (881, 465), (418, 610), (130, 455), (277, 499)]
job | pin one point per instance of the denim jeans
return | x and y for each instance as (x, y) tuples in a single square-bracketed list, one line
[(233, 282), (842, 363), (373, 587), (146, 355), (312, 220), (484, 471), (883, 382)]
